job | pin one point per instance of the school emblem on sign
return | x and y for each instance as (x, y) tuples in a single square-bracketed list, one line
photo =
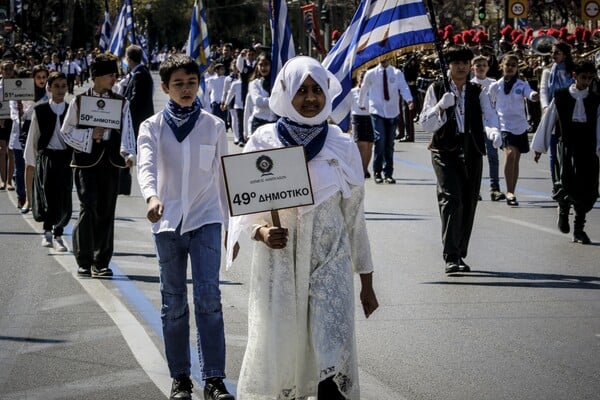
[(264, 164), (101, 104)]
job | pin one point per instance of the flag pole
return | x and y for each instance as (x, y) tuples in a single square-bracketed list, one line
[(438, 45)]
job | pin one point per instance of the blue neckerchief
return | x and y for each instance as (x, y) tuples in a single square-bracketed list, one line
[(312, 137), (559, 79), (181, 120)]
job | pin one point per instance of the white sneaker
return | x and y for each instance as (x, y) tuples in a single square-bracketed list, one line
[(59, 244), (47, 240)]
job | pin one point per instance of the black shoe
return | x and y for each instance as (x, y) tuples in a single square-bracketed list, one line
[(378, 178), (581, 237), (452, 267), (85, 272), (389, 180), (214, 389), (463, 266), (367, 175), (512, 201), (406, 139), (563, 220), (181, 388), (479, 198), (102, 272), (496, 195)]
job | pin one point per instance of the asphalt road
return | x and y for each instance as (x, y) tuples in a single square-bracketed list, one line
[(525, 324)]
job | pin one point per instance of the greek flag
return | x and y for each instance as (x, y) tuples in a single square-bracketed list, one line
[(379, 27), (106, 28), (123, 30), (18, 7), (282, 44), (198, 45)]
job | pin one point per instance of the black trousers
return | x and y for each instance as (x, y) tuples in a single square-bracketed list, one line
[(71, 83), (52, 188), (458, 184), (93, 235)]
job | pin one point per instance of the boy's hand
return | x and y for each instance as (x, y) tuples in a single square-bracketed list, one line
[(536, 156), (274, 237), (368, 298), (154, 210), (98, 134)]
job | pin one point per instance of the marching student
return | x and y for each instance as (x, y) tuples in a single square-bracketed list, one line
[(46, 151), (99, 154), (573, 118), (180, 176)]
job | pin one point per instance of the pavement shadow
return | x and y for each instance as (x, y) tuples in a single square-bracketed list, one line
[(156, 279), (123, 254), (383, 216), (524, 279), (29, 339)]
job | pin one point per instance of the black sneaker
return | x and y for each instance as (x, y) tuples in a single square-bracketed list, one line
[(84, 272), (389, 180), (102, 272), (181, 388), (463, 266), (497, 195), (563, 219), (378, 178), (214, 389), (452, 267), (581, 237)]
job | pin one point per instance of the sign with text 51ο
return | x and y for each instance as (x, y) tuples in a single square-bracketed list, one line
[(267, 180), (19, 89), (100, 111)]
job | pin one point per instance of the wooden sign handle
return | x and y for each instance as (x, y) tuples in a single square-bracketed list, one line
[(275, 218)]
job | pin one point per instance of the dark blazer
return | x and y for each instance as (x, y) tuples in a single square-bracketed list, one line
[(139, 92)]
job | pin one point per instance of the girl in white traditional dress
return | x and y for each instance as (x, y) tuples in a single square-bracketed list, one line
[(301, 342)]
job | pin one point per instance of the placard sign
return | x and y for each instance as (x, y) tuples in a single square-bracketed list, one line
[(4, 110), (100, 111), (19, 89), (267, 180)]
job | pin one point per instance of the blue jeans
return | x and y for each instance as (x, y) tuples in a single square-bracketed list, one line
[(492, 155), (203, 246), (384, 130)]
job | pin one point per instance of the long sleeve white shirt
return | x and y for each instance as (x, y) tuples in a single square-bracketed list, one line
[(235, 93), (511, 107), (214, 88), (260, 101), (186, 177), (81, 139), (356, 110), (432, 117), (541, 140), (56, 141), (372, 90)]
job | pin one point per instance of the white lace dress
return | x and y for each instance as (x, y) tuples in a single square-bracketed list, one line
[(301, 306)]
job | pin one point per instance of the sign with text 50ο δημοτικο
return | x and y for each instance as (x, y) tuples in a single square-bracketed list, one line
[(100, 111), (267, 180)]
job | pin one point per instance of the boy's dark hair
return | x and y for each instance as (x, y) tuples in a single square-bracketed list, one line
[(176, 62), (55, 75), (458, 53), (582, 66), (480, 58)]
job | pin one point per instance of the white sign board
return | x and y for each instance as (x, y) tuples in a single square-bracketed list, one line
[(19, 89), (4, 110), (267, 180), (100, 111)]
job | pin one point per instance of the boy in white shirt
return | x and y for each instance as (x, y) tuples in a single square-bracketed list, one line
[(46, 151), (180, 176), (508, 96), (480, 67)]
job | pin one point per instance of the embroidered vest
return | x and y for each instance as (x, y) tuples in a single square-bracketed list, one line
[(105, 148), (447, 138), (47, 123)]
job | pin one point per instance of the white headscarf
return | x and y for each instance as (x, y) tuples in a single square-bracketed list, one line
[(289, 80)]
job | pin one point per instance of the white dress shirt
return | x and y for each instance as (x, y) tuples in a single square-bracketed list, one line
[(356, 110), (511, 107), (186, 177), (235, 93), (214, 88), (56, 141), (260, 101), (372, 90)]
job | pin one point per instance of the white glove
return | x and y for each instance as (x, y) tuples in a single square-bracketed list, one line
[(447, 101), (496, 138)]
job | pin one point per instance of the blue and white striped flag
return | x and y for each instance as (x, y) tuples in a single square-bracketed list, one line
[(18, 7), (123, 30), (198, 45), (282, 43), (105, 33), (142, 41), (379, 27)]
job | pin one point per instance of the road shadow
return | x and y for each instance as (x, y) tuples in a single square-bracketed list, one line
[(383, 216), (29, 339), (156, 279), (523, 279), (123, 254)]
